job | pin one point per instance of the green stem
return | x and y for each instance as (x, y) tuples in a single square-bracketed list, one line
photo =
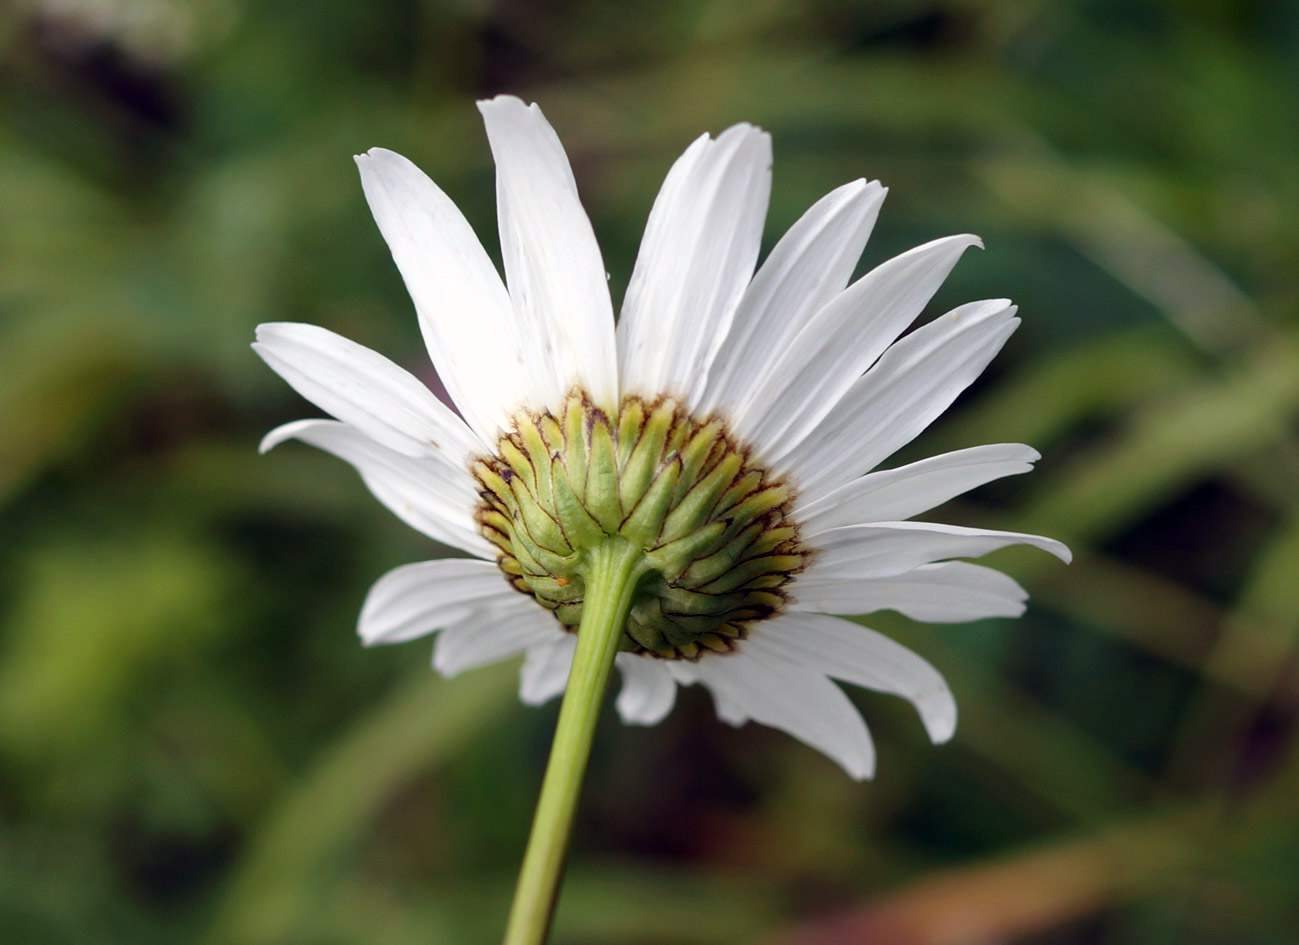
[(610, 584)]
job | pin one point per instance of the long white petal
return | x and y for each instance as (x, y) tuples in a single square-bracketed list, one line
[(417, 599), (808, 377), (464, 310), (363, 388), (648, 690), (912, 383), (860, 656), (700, 246), (498, 628), (553, 266), (861, 552), (807, 268), (896, 494), (753, 684), (947, 592), (426, 492), (545, 670)]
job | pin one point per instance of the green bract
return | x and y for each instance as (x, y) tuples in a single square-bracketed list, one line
[(716, 545)]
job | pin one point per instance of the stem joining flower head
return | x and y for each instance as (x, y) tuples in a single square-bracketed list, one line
[(716, 545)]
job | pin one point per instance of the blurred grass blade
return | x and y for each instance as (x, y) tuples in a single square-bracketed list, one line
[(1025, 893), (298, 855)]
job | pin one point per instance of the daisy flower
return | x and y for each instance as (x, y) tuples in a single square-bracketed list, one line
[(716, 451)]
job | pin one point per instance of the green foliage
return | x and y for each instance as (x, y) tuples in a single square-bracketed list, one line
[(193, 747)]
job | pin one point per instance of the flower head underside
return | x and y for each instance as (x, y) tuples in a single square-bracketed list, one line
[(715, 544), (727, 435)]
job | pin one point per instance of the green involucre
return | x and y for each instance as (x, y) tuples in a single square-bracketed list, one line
[(716, 546)]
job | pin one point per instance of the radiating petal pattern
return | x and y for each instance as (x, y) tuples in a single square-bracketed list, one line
[(883, 549), (896, 494), (912, 383), (476, 343), (553, 266), (363, 388), (731, 422), (808, 266), (862, 657), (496, 629), (700, 247), (424, 492), (808, 377), (946, 592), (418, 599), (784, 695)]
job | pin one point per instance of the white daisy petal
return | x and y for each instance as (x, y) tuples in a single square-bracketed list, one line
[(697, 256), (418, 599), (774, 396), (860, 656), (853, 553), (648, 690), (426, 493), (896, 494), (808, 377), (553, 266), (912, 383), (810, 264), (545, 670), (496, 629), (804, 703), (947, 592), (363, 388), (464, 311)]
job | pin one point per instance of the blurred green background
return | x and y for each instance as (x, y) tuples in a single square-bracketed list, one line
[(194, 748)]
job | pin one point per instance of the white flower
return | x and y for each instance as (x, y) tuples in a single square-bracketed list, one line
[(805, 370)]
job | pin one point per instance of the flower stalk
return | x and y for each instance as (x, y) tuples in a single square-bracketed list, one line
[(612, 573)]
